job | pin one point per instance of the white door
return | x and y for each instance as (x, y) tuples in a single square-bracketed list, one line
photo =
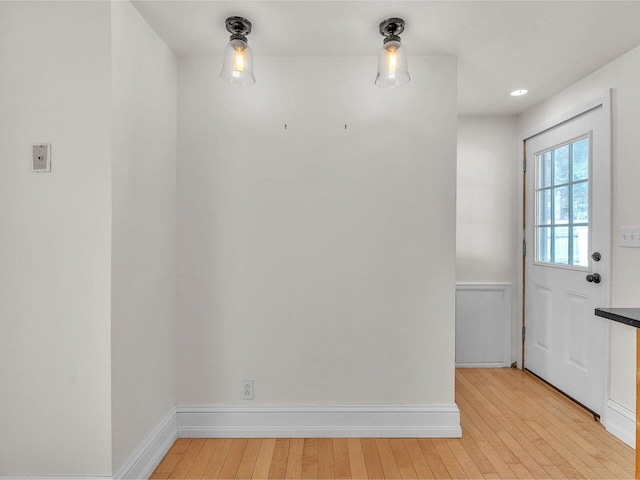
[(567, 262)]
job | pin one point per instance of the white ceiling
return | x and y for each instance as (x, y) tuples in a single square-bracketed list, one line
[(543, 46)]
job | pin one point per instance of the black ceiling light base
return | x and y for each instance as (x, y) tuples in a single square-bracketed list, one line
[(391, 28), (238, 27)]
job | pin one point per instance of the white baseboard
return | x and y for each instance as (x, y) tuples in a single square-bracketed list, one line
[(621, 422), (52, 477), (481, 365), (203, 421), (435, 421), (147, 456)]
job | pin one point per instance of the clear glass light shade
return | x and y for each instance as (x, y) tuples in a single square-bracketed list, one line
[(392, 65), (237, 66)]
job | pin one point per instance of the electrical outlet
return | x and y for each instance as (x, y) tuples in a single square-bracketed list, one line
[(247, 389), (41, 156), (630, 237)]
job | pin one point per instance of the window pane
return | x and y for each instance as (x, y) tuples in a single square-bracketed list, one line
[(544, 207), (581, 160), (561, 245), (581, 202), (544, 244), (581, 246), (561, 205), (562, 201), (561, 165), (544, 170)]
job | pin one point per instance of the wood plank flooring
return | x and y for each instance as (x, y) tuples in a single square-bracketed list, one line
[(514, 426)]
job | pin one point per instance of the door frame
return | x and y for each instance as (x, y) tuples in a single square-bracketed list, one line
[(604, 101)]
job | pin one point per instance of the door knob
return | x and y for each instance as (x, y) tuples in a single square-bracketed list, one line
[(595, 278), (596, 256)]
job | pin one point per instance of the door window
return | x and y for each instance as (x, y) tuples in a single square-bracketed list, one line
[(562, 204)]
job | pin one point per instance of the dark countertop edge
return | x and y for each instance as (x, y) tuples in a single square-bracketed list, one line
[(621, 315)]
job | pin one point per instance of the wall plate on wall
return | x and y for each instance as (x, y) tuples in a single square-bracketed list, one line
[(41, 157), (630, 237)]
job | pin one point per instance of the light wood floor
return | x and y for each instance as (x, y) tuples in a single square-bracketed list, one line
[(514, 426)]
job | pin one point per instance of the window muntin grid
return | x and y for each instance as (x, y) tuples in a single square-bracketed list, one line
[(562, 204)]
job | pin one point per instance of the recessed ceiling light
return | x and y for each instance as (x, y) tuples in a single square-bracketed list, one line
[(517, 93)]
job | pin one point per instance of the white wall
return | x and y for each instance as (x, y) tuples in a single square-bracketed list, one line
[(144, 102), (55, 245), (486, 251), (621, 75), (486, 211), (316, 260)]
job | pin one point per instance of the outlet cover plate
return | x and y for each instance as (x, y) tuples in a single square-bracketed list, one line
[(41, 157), (247, 389)]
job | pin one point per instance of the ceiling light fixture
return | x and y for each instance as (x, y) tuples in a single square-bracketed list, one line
[(237, 66), (518, 93), (392, 59)]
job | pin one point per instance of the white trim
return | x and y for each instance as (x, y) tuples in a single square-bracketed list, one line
[(147, 456), (621, 423), (484, 365), (505, 288), (204, 421), (602, 100), (52, 477)]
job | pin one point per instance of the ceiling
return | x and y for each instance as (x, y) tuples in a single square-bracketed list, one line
[(543, 46)]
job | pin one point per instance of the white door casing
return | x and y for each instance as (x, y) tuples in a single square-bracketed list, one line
[(566, 344)]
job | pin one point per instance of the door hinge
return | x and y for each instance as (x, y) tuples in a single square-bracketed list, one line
[(523, 332), (524, 165), (524, 249)]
